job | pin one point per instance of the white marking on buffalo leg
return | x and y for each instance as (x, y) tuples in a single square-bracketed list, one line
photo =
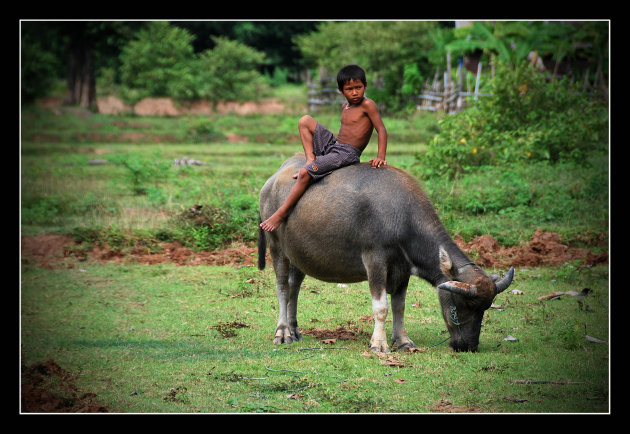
[(378, 343)]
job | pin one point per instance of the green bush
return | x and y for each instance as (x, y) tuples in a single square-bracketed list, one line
[(142, 174), (210, 226), (526, 118), (41, 210), (159, 62)]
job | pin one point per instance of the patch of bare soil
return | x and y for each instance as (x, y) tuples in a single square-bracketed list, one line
[(58, 251), (44, 250), (37, 395), (544, 248), (342, 333)]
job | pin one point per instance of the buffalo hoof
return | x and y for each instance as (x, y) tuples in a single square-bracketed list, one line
[(287, 335), (403, 347), (380, 347), (403, 344)]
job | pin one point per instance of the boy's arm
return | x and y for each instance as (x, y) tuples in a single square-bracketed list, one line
[(379, 126)]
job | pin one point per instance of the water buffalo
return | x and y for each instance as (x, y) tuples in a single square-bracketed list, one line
[(361, 223)]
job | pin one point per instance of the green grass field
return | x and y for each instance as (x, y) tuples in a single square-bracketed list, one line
[(199, 339), (166, 338)]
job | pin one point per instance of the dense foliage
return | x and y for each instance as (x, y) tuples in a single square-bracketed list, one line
[(527, 118), (382, 48), (160, 62), (207, 59)]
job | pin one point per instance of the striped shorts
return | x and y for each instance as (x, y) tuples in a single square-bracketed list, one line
[(329, 155)]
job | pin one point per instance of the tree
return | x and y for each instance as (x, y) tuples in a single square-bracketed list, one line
[(159, 62), (74, 49), (274, 38), (228, 71), (37, 69), (81, 83)]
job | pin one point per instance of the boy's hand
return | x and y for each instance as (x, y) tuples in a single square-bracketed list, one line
[(378, 162)]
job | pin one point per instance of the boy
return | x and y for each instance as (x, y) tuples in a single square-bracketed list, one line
[(324, 152)]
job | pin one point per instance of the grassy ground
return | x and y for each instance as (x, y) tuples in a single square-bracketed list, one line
[(199, 339)]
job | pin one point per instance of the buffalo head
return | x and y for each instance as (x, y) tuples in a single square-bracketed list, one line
[(465, 298)]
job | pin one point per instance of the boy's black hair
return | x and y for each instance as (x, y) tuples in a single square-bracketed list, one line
[(350, 72)]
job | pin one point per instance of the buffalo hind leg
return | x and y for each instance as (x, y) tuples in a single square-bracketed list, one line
[(399, 334), (288, 282), (378, 342), (377, 278)]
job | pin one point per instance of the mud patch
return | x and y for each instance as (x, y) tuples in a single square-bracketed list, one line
[(47, 388), (544, 249), (342, 333)]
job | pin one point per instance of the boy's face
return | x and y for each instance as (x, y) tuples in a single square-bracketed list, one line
[(353, 90)]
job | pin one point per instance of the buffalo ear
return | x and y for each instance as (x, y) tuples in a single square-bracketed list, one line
[(446, 265)]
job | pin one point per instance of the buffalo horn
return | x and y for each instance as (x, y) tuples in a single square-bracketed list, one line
[(506, 281), (459, 288)]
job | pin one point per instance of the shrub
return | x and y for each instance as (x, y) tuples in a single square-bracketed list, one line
[(142, 172), (41, 210), (525, 118), (210, 227)]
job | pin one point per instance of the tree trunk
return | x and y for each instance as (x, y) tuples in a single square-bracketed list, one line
[(81, 84)]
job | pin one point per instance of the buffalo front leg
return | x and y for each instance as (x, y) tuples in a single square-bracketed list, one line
[(288, 281), (399, 334)]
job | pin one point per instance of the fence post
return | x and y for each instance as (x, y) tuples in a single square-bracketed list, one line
[(477, 81)]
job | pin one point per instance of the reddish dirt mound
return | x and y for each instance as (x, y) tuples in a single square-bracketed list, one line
[(36, 398), (544, 248), (341, 333)]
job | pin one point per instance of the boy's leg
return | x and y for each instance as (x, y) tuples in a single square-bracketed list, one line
[(306, 127), (298, 189)]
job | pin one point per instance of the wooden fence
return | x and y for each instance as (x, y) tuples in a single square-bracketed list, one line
[(449, 96)]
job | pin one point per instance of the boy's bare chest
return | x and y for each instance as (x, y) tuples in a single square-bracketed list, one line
[(353, 115)]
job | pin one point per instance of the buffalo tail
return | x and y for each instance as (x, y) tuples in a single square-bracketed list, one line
[(262, 246)]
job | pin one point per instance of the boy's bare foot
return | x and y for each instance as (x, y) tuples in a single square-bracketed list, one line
[(272, 223)]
